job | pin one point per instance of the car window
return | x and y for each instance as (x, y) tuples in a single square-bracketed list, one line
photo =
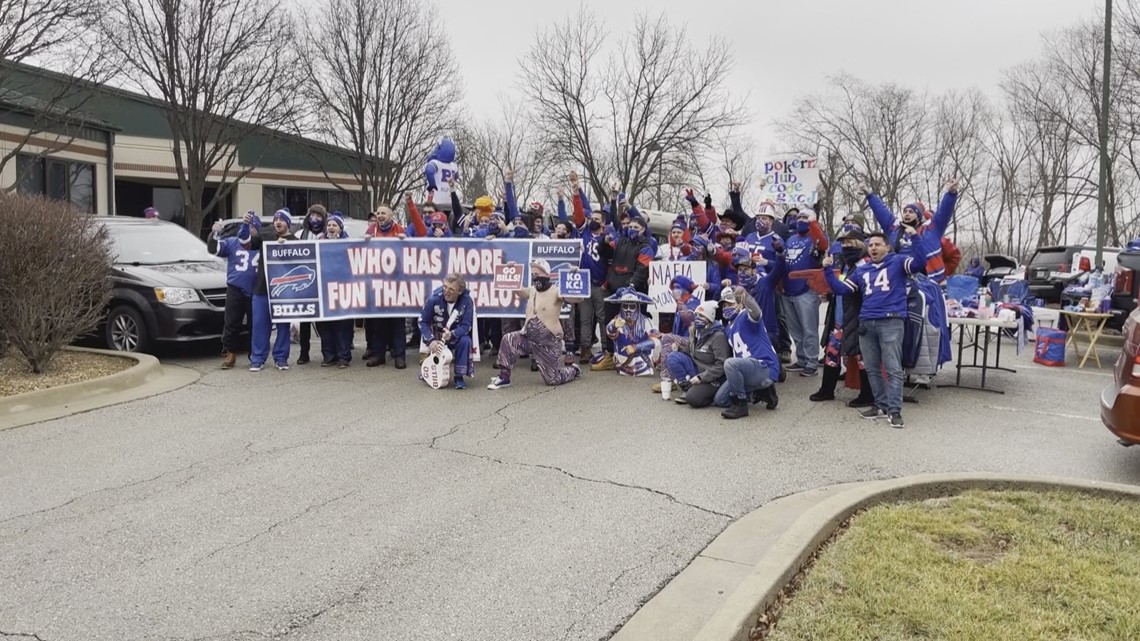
[(156, 243), (1050, 258)]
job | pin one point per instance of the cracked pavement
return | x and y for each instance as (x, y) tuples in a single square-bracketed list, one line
[(359, 504)]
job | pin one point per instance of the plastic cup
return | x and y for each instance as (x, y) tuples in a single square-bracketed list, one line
[(666, 390)]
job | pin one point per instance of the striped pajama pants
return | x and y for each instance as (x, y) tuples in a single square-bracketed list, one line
[(544, 347)]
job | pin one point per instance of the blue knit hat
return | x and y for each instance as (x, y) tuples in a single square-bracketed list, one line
[(283, 214), (337, 218)]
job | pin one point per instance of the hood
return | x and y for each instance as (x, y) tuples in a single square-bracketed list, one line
[(205, 275), (444, 151)]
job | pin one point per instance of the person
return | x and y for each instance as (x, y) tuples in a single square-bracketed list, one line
[(683, 289), (754, 368), (263, 323), (801, 305), (678, 247), (386, 334), (241, 272), (882, 285), (975, 268), (591, 312), (446, 320), (441, 171), (761, 283), (541, 335), (632, 333), (312, 229), (842, 317), (629, 259), (930, 232), (697, 363), (336, 335)]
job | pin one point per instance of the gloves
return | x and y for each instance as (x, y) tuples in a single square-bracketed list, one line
[(690, 197), (778, 246), (708, 201)]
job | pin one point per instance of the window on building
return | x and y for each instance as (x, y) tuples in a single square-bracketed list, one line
[(272, 199), (57, 179), (299, 200)]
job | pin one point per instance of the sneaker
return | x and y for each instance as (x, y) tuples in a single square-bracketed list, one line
[(808, 373), (604, 364), (256, 367), (793, 367), (499, 383), (873, 414), (282, 366), (896, 420), (577, 370), (460, 383), (681, 400), (229, 360)]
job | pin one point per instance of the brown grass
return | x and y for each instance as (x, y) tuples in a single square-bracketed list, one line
[(67, 367)]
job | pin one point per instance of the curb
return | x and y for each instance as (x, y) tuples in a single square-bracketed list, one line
[(146, 377), (814, 516)]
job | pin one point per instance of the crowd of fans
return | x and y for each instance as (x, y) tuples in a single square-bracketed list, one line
[(731, 341)]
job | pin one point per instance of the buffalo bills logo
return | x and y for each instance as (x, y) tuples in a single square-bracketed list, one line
[(297, 279)]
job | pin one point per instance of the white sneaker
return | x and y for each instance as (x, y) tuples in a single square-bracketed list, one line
[(255, 368), (282, 366), (498, 383)]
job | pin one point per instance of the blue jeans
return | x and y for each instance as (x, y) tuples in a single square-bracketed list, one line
[(336, 340), (262, 326), (880, 341), (681, 366), (803, 323), (742, 377)]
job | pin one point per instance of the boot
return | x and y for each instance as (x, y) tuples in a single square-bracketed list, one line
[(865, 398), (229, 360), (606, 364), (770, 397), (585, 356), (657, 387), (827, 387), (739, 409)]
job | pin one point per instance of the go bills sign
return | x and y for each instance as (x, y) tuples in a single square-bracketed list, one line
[(388, 277)]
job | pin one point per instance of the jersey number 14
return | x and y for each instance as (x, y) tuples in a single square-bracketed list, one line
[(882, 281)]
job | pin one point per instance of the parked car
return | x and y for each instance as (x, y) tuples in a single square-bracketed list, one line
[(999, 266), (1126, 289), (1120, 401), (167, 287), (1053, 268)]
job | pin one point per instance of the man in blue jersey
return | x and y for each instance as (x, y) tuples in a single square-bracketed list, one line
[(754, 367), (241, 270), (592, 311), (263, 324), (804, 248), (882, 283)]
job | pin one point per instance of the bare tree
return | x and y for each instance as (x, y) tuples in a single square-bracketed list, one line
[(57, 35), (384, 85), (511, 142), (653, 103), (224, 71)]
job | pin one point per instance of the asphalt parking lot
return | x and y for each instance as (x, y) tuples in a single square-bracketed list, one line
[(359, 504)]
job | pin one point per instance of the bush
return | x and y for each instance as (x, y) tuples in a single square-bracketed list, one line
[(55, 275)]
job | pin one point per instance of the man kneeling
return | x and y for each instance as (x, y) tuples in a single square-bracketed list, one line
[(541, 335), (697, 364)]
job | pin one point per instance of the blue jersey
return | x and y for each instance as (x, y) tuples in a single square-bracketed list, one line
[(882, 284), (241, 264), (799, 251), (757, 244), (683, 318), (591, 260), (749, 339)]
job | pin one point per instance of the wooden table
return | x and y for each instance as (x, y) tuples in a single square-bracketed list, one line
[(980, 340), (1092, 325)]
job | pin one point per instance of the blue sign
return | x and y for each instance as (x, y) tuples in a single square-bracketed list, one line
[(389, 277), (574, 284)]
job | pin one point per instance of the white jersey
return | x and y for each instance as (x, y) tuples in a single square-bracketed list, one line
[(443, 171)]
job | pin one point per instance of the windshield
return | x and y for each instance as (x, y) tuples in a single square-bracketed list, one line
[(1050, 257), (156, 244)]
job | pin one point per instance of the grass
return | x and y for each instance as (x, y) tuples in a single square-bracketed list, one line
[(16, 376), (980, 566)]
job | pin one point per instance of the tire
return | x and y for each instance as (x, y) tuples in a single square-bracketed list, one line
[(125, 330)]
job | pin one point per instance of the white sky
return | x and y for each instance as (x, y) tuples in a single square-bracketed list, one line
[(784, 49)]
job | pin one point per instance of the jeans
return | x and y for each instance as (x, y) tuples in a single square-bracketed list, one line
[(336, 340), (803, 323), (238, 308), (880, 341), (591, 313), (262, 326), (681, 366), (742, 377)]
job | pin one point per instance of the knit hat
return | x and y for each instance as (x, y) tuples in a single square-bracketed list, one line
[(680, 224), (437, 218), (283, 215), (539, 267), (727, 295), (852, 232), (857, 219), (635, 217), (708, 310), (150, 212), (917, 208), (337, 218), (484, 203), (684, 282)]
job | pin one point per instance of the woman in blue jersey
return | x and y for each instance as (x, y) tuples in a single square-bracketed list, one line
[(754, 367)]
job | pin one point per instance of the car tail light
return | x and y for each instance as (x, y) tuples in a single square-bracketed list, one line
[(1086, 264)]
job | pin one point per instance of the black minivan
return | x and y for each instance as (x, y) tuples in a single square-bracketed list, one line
[(167, 286)]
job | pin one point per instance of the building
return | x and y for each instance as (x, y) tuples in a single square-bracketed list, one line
[(111, 152)]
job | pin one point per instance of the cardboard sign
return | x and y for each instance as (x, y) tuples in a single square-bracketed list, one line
[(574, 284), (792, 181), (508, 276), (661, 272)]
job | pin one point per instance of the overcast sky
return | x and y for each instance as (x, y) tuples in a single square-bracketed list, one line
[(784, 49)]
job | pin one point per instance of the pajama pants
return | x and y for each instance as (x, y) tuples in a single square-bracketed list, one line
[(544, 347), (668, 346)]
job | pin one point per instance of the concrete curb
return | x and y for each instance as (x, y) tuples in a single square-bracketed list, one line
[(147, 377), (795, 527)]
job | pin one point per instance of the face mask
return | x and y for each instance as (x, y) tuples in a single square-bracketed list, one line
[(729, 313), (701, 323), (678, 293), (494, 229), (851, 254), (595, 225), (762, 228), (633, 234), (802, 226), (315, 223), (910, 223), (542, 283), (748, 280)]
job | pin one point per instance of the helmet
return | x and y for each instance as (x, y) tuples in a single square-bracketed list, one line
[(437, 218)]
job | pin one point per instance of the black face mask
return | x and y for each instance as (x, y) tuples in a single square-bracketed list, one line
[(595, 225), (851, 255), (542, 283)]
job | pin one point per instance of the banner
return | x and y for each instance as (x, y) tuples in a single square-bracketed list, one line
[(791, 182), (389, 277), (662, 272)]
